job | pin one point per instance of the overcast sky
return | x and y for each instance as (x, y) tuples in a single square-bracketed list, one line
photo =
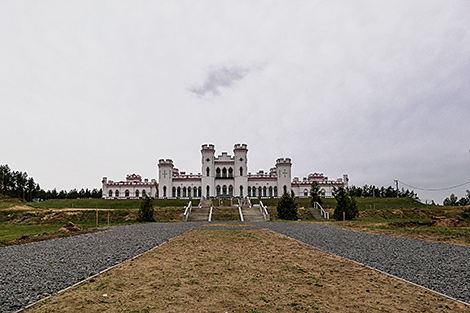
[(379, 90)]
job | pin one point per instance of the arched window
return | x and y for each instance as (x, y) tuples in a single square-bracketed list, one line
[(208, 171), (241, 191), (224, 172), (230, 172), (126, 193), (199, 191), (195, 192), (208, 189), (305, 193), (230, 191), (249, 191), (285, 189), (110, 193), (184, 192), (217, 172), (254, 192), (264, 191), (164, 191), (260, 190), (116, 193), (270, 191), (224, 190), (189, 192), (275, 192), (173, 192), (241, 171), (322, 193), (218, 190), (137, 193), (143, 192), (178, 192)]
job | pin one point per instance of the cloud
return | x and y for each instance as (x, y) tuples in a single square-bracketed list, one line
[(220, 78)]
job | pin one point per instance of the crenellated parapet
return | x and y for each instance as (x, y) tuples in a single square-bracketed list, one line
[(283, 161), (208, 147), (165, 162), (241, 146)]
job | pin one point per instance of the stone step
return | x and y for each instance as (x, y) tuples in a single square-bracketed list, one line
[(252, 215), (316, 213), (198, 214)]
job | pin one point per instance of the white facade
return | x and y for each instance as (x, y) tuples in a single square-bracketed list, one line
[(132, 188), (227, 176)]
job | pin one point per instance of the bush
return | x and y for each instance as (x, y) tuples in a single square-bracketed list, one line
[(287, 208), (344, 203), (146, 211), (466, 214)]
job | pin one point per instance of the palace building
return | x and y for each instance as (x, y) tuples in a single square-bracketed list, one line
[(227, 176), (132, 188), (222, 176)]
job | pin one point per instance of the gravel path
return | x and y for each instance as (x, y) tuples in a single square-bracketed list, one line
[(441, 267), (33, 271)]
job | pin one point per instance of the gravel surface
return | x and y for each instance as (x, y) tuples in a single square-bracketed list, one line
[(441, 267), (33, 271)]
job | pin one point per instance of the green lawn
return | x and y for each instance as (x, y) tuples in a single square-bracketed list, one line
[(108, 204), (362, 203)]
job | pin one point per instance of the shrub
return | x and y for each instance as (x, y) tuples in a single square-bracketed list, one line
[(466, 214), (344, 203), (286, 207), (146, 211)]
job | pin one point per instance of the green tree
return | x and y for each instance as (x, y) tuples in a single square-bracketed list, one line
[(451, 201), (315, 193), (286, 207), (146, 210), (344, 203)]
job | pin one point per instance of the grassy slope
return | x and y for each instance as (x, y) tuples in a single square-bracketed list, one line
[(362, 203), (107, 204)]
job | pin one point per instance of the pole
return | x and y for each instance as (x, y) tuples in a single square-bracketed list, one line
[(396, 183), (96, 218), (108, 218)]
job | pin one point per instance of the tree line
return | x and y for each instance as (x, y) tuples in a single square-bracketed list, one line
[(383, 192), (18, 184), (453, 200)]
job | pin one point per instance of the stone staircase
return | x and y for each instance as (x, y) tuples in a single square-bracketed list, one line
[(316, 213), (252, 214), (199, 214)]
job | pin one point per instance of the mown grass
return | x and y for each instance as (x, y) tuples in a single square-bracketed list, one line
[(362, 203), (110, 204)]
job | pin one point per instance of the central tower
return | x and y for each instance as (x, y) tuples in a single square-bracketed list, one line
[(240, 152), (207, 170)]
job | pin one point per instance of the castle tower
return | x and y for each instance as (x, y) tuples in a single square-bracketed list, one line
[(240, 152), (283, 170), (208, 170), (165, 177)]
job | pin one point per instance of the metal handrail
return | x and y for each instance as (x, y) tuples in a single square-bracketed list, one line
[(210, 215), (241, 214), (187, 211), (264, 211), (324, 214)]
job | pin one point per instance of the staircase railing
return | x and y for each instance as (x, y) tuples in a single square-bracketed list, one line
[(210, 215), (187, 211), (264, 211), (241, 214), (323, 213)]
